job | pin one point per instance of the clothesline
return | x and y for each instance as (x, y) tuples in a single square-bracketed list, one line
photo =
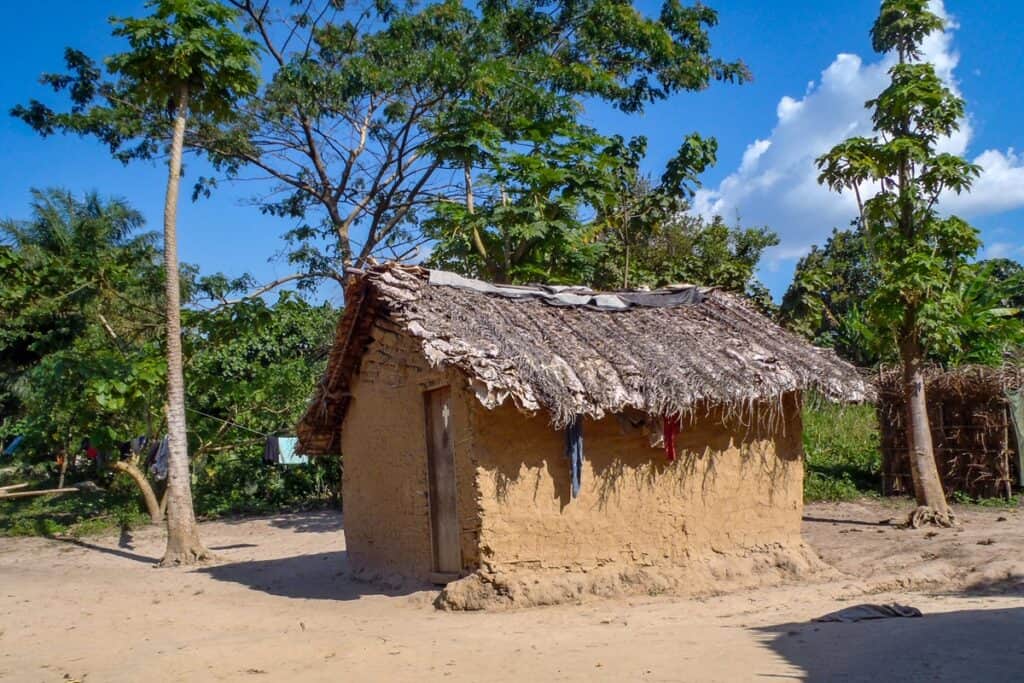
[(227, 422)]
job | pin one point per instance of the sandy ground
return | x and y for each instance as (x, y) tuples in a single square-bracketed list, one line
[(277, 606)]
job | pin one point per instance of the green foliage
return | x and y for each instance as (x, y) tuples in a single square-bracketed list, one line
[(842, 448), (829, 284), (79, 318), (691, 249), (228, 484), (610, 227), (379, 117), (255, 366), (73, 514), (90, 364), (925, 299), (524, 223), (1011, 503), (825, 303), (182, 46), (987, 314), (239, 482)]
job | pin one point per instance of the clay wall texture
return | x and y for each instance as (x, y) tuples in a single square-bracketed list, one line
[(730, 488), (385, 477)]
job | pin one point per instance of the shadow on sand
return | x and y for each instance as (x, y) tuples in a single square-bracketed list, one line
[(321, 576), (124, 554), (966, 645), (313, 522), (853, 522)]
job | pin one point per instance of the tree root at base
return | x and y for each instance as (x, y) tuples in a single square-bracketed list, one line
[(927, 516), (182, 558)]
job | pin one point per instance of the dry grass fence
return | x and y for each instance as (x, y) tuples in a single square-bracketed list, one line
[(977, 446)]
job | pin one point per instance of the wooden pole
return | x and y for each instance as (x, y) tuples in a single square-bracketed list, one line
[(26, 494)]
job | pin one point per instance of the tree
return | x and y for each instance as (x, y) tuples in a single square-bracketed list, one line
[(183, 60), (988, 315), (80, 326), (596, 219), (688, 248), (633, 214), (824, 303), (831, 283), (378, 115), (918, 256), (532, 228), (254, 365), (75, 262)]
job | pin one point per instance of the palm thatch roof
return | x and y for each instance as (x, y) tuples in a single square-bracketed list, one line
[(571, 351)]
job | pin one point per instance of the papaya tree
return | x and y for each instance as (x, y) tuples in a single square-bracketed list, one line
[(185, 60), (917, 255)]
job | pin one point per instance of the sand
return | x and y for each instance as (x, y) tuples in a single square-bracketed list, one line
[(278, 606)]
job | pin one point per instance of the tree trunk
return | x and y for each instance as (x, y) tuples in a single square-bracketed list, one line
[(625, 269), (156, 514), (183, 544), (931, 500), (63, 461)]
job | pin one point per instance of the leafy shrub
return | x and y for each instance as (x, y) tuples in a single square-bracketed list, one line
[(242, 483), (843, 458), (72, 513)]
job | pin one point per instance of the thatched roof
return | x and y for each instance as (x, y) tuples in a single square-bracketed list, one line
[(967, 381), (571, 351)]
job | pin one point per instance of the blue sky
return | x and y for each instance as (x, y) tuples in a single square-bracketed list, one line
[(812, 65)]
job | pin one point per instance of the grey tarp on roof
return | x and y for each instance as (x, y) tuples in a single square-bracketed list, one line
[(680, 295)]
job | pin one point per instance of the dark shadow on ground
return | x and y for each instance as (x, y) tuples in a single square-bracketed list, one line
[(1009, 584), (321, 576), (312, 522), (967, 645), (108, 551), (854, 522), (234, 546)]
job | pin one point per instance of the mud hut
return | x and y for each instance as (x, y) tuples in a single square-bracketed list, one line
[(976, 416), (529, 444)]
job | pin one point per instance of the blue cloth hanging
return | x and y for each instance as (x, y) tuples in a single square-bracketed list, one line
[(574, 451), (287, 445)]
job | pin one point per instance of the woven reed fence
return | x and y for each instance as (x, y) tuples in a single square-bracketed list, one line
[(973, 430)]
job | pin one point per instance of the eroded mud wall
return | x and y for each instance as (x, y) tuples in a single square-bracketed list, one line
[(385, 479), (730, 488)]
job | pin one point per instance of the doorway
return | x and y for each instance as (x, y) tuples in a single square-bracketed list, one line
[(441, 471)]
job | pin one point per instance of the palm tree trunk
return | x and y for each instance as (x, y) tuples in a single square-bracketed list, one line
[(931, 499), (183, 544)]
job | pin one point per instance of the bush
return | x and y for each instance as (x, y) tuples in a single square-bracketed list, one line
[(241, 482), (222, 485), (76, 514), (842, 447)]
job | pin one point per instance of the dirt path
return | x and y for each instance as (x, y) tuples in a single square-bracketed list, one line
[(278, 607)]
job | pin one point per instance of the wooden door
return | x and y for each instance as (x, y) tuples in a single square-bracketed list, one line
[(441, 465)]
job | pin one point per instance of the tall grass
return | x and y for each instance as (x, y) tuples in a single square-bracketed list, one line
[(841, 444)]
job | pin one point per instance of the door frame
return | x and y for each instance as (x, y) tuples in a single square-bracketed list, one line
[(446, 546)]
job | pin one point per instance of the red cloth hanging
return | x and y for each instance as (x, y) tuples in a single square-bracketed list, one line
[(669, 437)]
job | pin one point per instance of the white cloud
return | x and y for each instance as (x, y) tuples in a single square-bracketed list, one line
[(776, 181), (1003, 250)]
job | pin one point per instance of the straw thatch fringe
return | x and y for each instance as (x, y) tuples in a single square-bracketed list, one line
[(573, 360)]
